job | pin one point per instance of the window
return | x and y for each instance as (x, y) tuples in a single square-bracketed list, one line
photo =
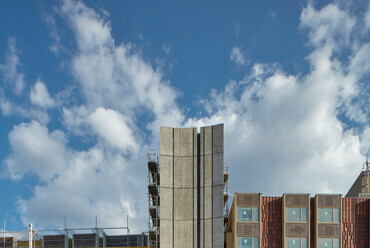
[(329, 243), (296, 214), (329, 215), (248, 242), (296, 243), (248, 214)]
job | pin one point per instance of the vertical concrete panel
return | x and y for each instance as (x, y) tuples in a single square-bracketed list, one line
[(183, 201), (208, 170), (166, 204), (166, 171), (218, 169), (183, 172), (183, 234), (218, 201), (218, 232), (208, 140), (183, 141), (208, 203), (208, 233), (166, 234), (166, 141), (218, 138)]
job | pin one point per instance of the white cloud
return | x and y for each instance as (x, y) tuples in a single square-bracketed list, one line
[(35, 151), (76, 184), (280, 127), (329, 26), (285, 128), (10, 68), (115, 76), (237, 56), (39, 95), (113, 127)]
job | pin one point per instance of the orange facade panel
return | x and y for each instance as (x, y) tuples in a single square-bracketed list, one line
[(355, 223), (271, 218)]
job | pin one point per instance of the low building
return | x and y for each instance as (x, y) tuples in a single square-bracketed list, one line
[(301, 221)]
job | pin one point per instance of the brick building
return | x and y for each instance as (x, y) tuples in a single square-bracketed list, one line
[(301, 220)]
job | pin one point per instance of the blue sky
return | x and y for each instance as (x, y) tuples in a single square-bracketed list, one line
[(84, 87)]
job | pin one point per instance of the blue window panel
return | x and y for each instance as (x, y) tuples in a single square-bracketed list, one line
[(244, 214), (336, 215), (255, 242), (293, 243), (325, 243), (336, 243), (244, 242), (255, 214), (304, 242), (293, 215), (304, 214), (326, 215)]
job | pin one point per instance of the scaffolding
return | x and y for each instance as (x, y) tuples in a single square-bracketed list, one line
[(153, 198), (94, 237), (226, 193)]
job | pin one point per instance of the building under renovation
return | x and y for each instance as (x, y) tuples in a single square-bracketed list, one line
[(72, 238), (186, 192), (301, 221)]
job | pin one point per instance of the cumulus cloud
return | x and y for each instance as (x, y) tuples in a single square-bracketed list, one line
[(237, 56), (77, 184), (285, 128), (113, 127), (35, 151), (115, 76), (10, 69), (329, 26), (282, 127), (39, 95)]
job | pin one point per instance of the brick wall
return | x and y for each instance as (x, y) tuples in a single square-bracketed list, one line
[(355, 216), (271, 218)]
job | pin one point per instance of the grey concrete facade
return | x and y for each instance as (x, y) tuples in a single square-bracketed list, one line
[(191, 187)]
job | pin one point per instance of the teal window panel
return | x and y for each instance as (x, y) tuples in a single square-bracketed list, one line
[(255, 214), (326, 215), (255, 242), (293, 243), (244, 242), (336, 215), (244, 214), (304, 214), (293, 215), (325, 243), (304, 242)]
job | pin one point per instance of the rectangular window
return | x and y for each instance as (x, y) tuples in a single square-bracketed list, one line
[(248, 242), (296, 243), (296, 214), (329, 243), (329, 215), (248, 214)]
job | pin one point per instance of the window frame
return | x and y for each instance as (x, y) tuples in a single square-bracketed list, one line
[(301, 216), (332, 214), (252, 214), (252, 238), (300, 240), (332, 241)]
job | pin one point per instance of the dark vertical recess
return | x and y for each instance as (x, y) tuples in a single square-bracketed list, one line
[(198, 190)]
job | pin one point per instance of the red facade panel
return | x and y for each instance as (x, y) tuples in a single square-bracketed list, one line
[(355, 217), (271, 221)]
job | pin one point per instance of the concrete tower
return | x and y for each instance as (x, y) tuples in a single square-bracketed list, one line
[(191, 187)]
